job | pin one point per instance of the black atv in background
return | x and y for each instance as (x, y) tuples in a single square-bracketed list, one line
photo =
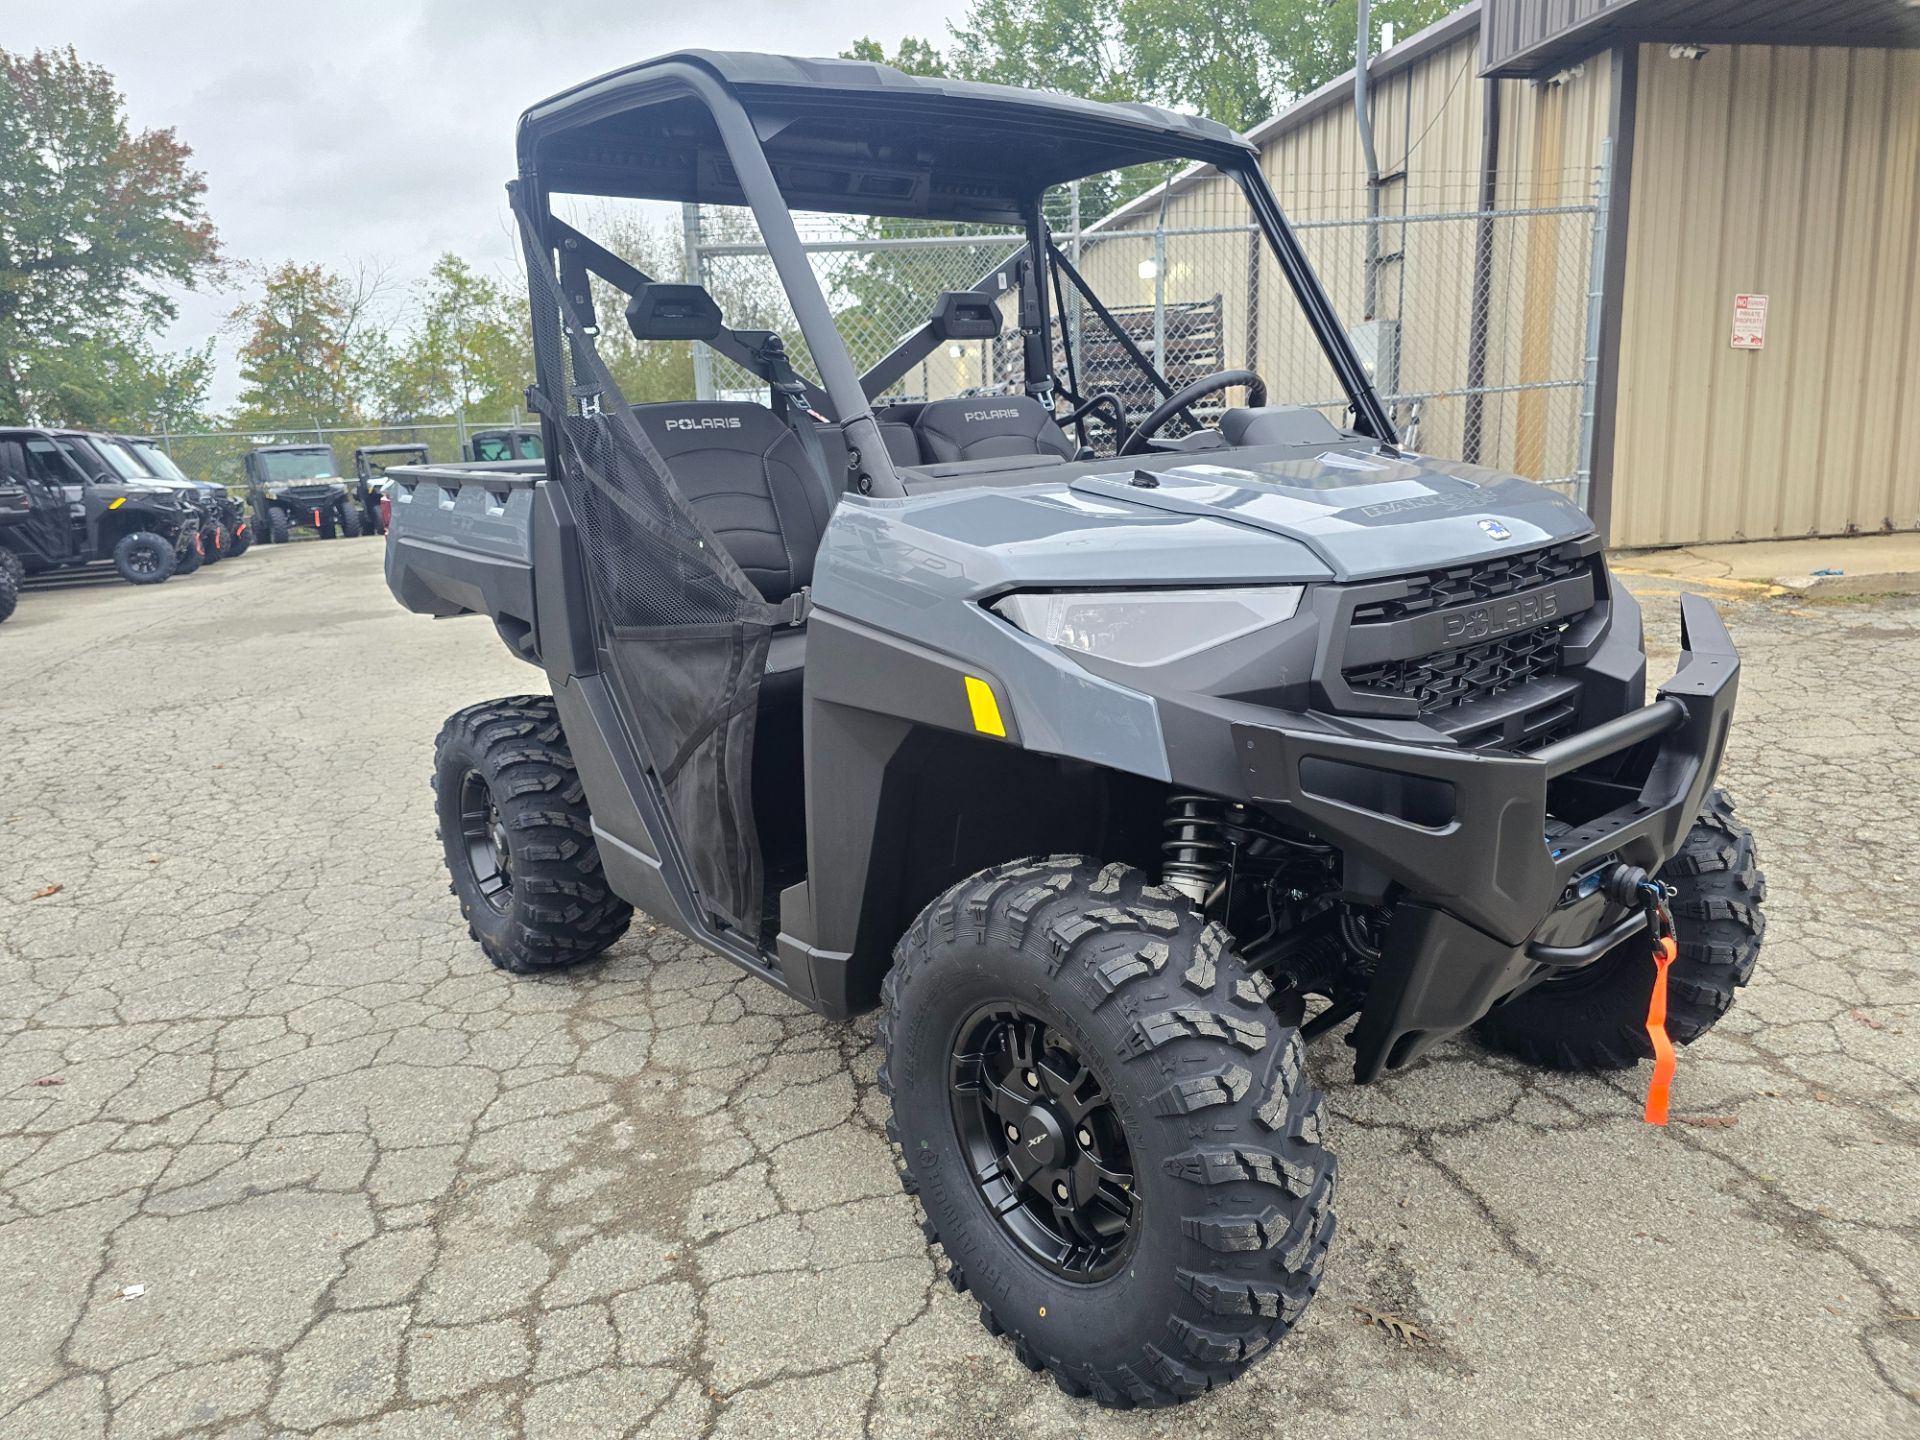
[(511, 443), (72, 507), (225, 531), (370, 466), (289, 485)]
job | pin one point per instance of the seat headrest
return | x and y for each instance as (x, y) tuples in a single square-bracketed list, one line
[(983, 427)]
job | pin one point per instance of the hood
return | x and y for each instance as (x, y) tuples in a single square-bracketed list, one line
[(1365, 512)]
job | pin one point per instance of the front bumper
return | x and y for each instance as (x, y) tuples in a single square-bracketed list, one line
[(1488, 902)]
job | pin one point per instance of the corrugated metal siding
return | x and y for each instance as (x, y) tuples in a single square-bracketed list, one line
[(1793, 173), (1513, 27)]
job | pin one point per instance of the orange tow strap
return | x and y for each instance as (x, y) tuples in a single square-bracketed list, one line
[(1660, 1087)]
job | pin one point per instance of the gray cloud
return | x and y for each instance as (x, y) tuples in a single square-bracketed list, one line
[(330, 132)]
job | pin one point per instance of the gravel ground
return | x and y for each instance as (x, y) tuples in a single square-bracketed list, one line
[(250, 1061)]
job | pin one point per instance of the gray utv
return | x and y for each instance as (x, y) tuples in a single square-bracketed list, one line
[(1112, 755)]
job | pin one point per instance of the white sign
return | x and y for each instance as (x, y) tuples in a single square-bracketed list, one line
[(1749, 322)]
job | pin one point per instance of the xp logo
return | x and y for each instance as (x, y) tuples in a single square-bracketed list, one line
[(707, 422), (1495, 530), (1008, 414)]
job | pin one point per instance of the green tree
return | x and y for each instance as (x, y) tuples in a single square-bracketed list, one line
[(1235, 61), (114, 384), (98, 224), (916, 57), (469, 352)]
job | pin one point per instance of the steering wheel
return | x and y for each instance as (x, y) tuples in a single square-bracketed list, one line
[(1186, 395)]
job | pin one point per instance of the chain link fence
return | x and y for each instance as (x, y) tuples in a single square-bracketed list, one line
[(1478, 325), (217, 455)]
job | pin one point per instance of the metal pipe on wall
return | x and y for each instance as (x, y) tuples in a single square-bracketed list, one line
[(1363, 120), (1477, 325)]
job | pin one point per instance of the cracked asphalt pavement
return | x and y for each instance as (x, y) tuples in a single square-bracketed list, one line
[(281, 1154)]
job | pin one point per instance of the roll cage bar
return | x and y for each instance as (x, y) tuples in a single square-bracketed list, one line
[(575, 143)]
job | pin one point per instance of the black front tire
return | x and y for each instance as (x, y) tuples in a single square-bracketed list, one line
[(350, 523), (9, 593), (1596, 1018), (241, 542), (1231, 1184), (279, 527), (190, 555), (144, 558), (531, 887)]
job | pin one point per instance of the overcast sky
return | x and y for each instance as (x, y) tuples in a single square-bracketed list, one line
[(385, 127)]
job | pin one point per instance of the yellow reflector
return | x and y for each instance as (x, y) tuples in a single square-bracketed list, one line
[(118, 503), (986, 710)]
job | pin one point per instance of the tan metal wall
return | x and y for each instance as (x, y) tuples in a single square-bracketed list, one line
[(1793, 173)]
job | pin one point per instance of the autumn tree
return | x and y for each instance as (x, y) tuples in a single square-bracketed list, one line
[(99, 225), (310, 342)]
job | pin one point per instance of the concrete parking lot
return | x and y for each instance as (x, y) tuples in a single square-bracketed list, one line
[(280, 1153)]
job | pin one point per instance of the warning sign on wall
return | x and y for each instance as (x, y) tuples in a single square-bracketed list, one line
[(1749, 322)]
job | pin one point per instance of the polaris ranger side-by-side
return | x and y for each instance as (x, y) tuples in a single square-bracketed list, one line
[(79, 509), (298, 485), (1111, 766)]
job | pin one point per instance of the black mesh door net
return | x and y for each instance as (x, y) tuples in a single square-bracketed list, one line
[(683, 631)]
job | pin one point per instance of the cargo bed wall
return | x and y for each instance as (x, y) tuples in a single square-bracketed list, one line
[(461, 542)]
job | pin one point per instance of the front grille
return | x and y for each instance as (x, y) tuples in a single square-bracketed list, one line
[(1483, 580), (1447, 679)]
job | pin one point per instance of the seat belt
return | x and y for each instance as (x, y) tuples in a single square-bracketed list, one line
[(791, 398)]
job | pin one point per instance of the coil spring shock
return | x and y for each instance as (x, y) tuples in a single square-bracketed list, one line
[(1196, 852)]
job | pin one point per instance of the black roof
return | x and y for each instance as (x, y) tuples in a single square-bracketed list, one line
[(846, 135)]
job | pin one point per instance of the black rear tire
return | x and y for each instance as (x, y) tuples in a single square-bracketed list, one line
[(9, 592), (1203, 1105), (279, 528), (144, 558), (14, 566), (1596, 1018), (350, 523), (518, 838)]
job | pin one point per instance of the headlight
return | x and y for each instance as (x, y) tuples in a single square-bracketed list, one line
[(1147, 627)]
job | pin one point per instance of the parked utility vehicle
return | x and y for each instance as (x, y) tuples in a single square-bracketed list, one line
[(225, 532), (81, 509), (511, 443), (298, 485), (1111, 777), (370, 466)]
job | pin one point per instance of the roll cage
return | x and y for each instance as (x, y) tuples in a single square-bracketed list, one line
[(776, 134)]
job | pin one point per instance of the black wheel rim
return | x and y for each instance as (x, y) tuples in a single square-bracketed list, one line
[(143, 560), (1043, 1143), (485, 836)]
